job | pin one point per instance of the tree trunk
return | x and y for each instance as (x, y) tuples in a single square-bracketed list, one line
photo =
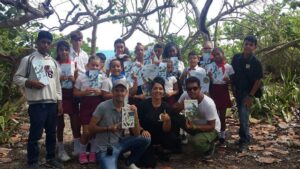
[(202, 20), (94, 39)]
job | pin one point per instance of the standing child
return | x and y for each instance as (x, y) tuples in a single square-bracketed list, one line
[(172, 52), (88, 88), (219, 88), (171, 85), (39, 75), (67, 79)]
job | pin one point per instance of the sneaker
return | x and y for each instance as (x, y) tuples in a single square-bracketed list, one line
[(133, 166), (63, 156), (243, 147), (92, 157), (33, 166), (75, 152), (83, 158), (184, 139), (53, 163)]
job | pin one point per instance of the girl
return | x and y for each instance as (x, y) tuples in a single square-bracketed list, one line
[(172, 52), (171, 85), (219, 89), (67, 78), (116, 69), (88, 88)]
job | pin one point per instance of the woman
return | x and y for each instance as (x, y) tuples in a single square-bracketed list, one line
[(156, 117)]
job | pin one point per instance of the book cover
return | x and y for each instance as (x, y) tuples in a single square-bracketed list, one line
[(148, 56), (162, 70), (217, 74), (175, 63), (127, 118), (40, 72), (149, 72), (204, 79), (190, 109), (67, 69), (138, 72), (93, 76)]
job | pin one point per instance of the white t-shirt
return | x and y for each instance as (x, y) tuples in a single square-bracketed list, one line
[(83, 82), (206, 111), (227, 73), (169, 82), (201, 74), (81, 60)]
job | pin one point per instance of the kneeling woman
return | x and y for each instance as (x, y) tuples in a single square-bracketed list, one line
[(156, 117)]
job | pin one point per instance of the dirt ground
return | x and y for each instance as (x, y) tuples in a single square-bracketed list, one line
[(274, 146)]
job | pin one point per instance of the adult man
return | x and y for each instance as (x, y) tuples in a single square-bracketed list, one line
[(110, 140), (246, 82), (205, 124), (79, 56), (39, 75)]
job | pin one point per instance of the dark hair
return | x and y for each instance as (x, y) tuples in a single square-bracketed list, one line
[(110, 63), (44, 35), (91, 58), (158, 80), (75, 35), (101, 56), (192, 53), (126, 50), (167, 49), (217, 49), (138, 44), (192, 79), (251, 38), (60, 44), (156, 46)]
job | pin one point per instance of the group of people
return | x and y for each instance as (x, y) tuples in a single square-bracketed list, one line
[(94, 91)]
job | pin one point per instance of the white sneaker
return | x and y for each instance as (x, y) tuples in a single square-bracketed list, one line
[(63, 156), (133, 166), (184, 139)]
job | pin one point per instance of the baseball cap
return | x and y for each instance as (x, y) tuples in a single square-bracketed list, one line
[(120, 82)]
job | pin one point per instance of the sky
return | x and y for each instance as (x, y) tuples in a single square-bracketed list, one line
[(108, 32)]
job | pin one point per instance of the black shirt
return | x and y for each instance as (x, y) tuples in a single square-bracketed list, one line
[(247, 71)]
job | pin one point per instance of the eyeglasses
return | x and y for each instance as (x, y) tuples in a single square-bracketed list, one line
[(192, 88)]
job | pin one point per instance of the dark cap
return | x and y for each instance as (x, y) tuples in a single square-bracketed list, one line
[(44, 35)]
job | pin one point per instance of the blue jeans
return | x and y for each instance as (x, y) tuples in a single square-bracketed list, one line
[(42, 116), (137, 146), (244, 121)]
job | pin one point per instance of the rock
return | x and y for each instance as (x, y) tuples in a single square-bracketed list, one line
[(267, 160), (267, 153), (4, 151), (283, 125), (254, 121), (276, 150), (25, 127), (256, 148), (5, 160)]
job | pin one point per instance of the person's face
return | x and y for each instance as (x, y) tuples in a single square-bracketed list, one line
[(119, 48), (158, 51), (207, 48), (43, 46), (63, 52), (139, 51), (76, 43), (218, 56), (94, 65), (119, 93), (193, 90), (249, 47), (102, 63), (169, 67), (173, 51), (116, 68), (157, 91), (193, 60)]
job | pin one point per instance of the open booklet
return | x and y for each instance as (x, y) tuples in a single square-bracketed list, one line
[(217, 74), (67, 69), (95, 78), (39, 69), (128, 119), (190, 109)]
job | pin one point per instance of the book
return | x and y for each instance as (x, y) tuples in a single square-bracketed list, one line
[(175, 64), (190, 109), (67, 69), (128, 65), (205, 59), (203, 78), (40, 72), (138, 72), (94, 79), (162, 70), (148, 56), (149, 72), (128, 118)]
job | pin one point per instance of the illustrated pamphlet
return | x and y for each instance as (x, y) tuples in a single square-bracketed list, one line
[(190, 109), (40, 72), (127, 118)]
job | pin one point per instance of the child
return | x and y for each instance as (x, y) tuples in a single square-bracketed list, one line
[(44, 98), (172, 52), (116, 69), (219, 88), (88, 88), (206, 54), (195, 70), (67, 79), (171, 84), (158, 50)]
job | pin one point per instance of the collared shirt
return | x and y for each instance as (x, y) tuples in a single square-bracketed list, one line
[(80, 59)]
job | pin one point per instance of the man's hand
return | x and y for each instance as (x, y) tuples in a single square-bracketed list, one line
[(146, 134), (189, 124), (115, 127), (34, 84), (59, 108), (165, 117)]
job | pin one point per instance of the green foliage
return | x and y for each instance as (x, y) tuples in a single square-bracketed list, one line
[(7, 124), (279, 98)]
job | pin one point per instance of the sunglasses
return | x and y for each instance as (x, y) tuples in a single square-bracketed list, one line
[(192, 88)]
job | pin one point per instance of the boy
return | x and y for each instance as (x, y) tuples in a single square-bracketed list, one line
[(44, 99), (246, 82)]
